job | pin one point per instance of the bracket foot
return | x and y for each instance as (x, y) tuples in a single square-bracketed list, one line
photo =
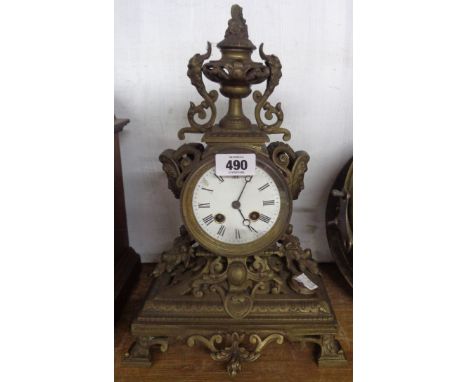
[(139, 354), (331, 353)]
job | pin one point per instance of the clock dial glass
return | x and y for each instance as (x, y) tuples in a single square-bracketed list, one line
[(236, 209)]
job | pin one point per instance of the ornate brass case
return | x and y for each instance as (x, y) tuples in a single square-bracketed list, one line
[(235, 299)]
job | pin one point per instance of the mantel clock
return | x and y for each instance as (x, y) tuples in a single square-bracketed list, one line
[(236, 279)]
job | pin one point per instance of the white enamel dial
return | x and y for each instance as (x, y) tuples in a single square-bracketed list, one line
[(236, 210)]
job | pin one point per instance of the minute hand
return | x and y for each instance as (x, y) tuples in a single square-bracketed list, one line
[(247, 180)]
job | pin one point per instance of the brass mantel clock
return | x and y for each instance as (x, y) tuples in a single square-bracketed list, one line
[(236, 279)]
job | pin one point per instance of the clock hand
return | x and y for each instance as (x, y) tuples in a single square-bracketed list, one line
[(236, 204), (248, 222), (252, 229), (247, 180), (243, 217)]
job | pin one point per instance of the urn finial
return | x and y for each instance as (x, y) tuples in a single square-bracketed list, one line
[(236, 72)]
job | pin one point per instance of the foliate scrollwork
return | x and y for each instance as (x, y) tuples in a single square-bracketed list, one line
[(177, 164), (274, 65), (231, 71), (194, 72), (235, 351), (298, 260), (180, 253), (213, 272), (264, 272), (293, 164), (208, 342), (237, 282), (260, 344)]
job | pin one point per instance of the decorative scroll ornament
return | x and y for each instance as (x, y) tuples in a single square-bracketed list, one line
[(298, 260), (235, 352), (274, 65), (180, 254), (177, 164), (289, 256), (237, 282), (293, 164), (194, 72)]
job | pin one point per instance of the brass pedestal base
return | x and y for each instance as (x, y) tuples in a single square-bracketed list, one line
[(235, 307)]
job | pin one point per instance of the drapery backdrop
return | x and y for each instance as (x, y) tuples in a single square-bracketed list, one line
[(153, 43)]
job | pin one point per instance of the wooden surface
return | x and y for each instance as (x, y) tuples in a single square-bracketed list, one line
[(287, 362)]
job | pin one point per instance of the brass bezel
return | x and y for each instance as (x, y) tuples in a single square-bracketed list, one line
[(218, 247)]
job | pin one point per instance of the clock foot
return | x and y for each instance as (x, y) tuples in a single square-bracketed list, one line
[(139, 353), (331, 353)]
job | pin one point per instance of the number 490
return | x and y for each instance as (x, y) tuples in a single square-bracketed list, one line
[(236, 164)]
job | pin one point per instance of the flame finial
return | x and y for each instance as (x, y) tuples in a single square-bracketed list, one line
[(237, 33)]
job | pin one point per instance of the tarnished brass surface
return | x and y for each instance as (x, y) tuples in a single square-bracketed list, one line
[(273, 63), (235, 299), (194, 72), (189, 270), (178, 164), (234, 353), (236, 73), (139, 353), (196, 293), (292, 164)]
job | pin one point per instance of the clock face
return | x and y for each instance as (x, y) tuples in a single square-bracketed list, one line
[(236, 209), (236, 215)]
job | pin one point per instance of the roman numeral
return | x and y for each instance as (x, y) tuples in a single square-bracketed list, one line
[(268, 202), (237, 234), (206, 189), (264, 218), (204, 205), (220, 178), (208, 219), (263, 187), (221, 230)]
